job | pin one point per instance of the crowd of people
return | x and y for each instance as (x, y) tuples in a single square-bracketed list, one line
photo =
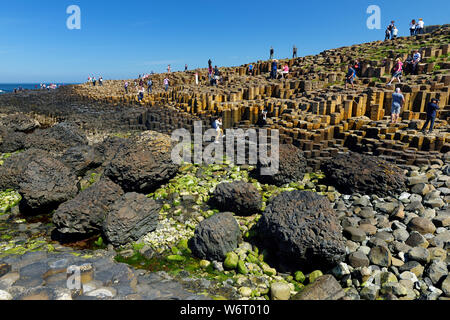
[(415, 28), (93, 80)]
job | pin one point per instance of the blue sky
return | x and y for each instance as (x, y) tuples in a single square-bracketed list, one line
[(121, 39)]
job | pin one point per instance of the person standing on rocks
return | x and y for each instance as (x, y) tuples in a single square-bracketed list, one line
[(397, 71), (350, 78), (216, 75), (217, 125), (432, 109), (210, 72), (412, 27), (166, 84), (196, 78), (149, 86), (250, 69), (397, 102), (126, 87), (294, 52), (273, 75), (94, 81), (387, 34), (357, 68), (391, 29), (100, 81), (271, 52), (420, 25), (394, 33), (169, 69)]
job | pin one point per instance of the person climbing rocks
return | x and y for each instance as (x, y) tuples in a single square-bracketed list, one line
[(397, 71), (432, 108), (397, 102), (350, 77), (416, 59), (149, 86), (166, 84), (141, 93)]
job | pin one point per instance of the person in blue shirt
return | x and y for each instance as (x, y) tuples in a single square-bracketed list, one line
[(397, 102), (250, 69), (432, 109), (350, 78), (273, 75)]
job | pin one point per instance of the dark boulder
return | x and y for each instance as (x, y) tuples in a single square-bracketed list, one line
[(302, 231), (215, 237), (82, 159), (108, 148), (19, 122), (131, 217), (292, 167), (14, 167), (56, 139), (44, 184), (358, 173), (86, 213), (11, 141), (144, 164), (239, 197)]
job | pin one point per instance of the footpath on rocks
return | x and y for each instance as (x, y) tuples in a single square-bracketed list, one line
[(358, 209)]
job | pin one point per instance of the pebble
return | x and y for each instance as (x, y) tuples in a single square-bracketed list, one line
[(280, 291)]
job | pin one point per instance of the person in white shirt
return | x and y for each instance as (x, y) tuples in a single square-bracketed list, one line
[(416, 59), (419, 26), (394, 33)]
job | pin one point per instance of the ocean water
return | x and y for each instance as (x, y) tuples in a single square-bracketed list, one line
[(9, 87)]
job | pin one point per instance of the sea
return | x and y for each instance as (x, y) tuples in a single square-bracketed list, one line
[(9, 87)]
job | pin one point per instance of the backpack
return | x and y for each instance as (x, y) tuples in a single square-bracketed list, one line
[(214, 124)]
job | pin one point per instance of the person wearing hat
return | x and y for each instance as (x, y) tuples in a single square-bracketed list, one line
[(432, 109)]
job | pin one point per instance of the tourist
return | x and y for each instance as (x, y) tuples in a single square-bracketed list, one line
[(412, 27), (216, 75), (420, 25), (126, 87), (141, 93), (391, 29), (209, 63), (285, 71), (94, 81), (271, 52), (141, 82), (210, 72), (294, 52), (100, 81), (397, 71), (432, 108), (185, 67), (387, 34), (169, 69), (408, 66), (416, 59), (397, 102), (196, 78), (166, 83), (350, 78), (263, 118), (217, 125), (273, 75), (394, 33), (149, 86), (357, 68), (250, 69)]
